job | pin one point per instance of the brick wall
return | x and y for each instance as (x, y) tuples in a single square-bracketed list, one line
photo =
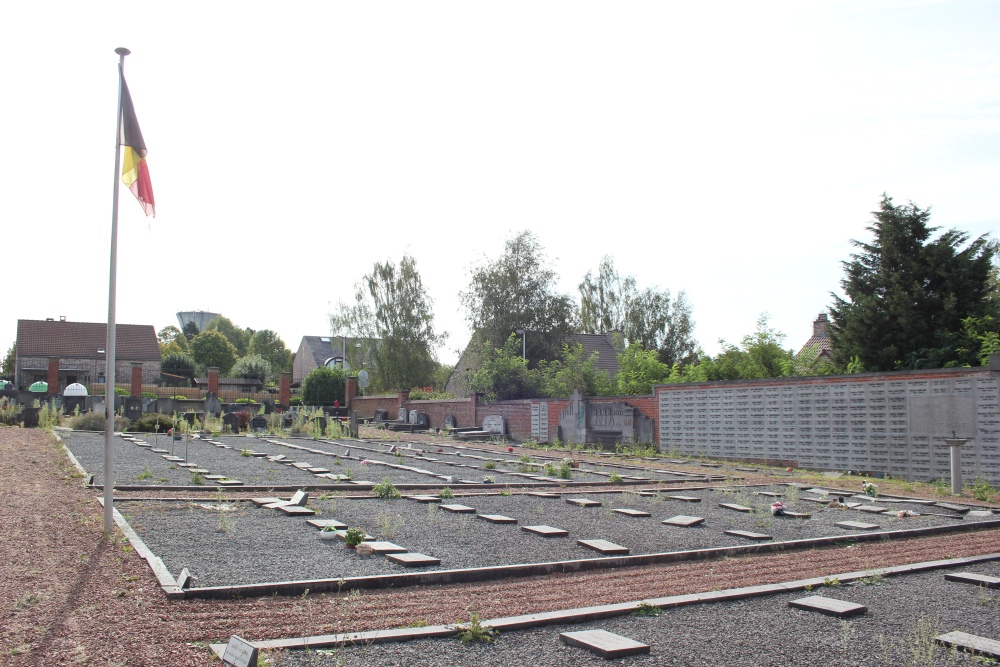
[(86, 370)]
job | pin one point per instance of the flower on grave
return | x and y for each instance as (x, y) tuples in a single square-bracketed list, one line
[(777, 508), (870, 489), (510, 450), (902, 514), (365, 462), (170, 431)]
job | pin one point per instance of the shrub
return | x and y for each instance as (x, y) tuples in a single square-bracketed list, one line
[(566, 470), (148, 394), (244, 400), (10, 412), (354, 537), (616, 478), (323, 386), (295, 400), (148, 423), (179, 397), (120, 391), (252, 367), (94, 421), (446, 493), (475, 631), (386, 489), (178, 363), (243, 418)]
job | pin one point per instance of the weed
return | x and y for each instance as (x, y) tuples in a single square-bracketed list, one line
[(389, 524), (490, 465), (226, 523), (550, 470), (829, 583), (565, 470), (28, 601), (197, 479), (874, 579), (506, 493), (244, 452), (446, 493), (524, 458), (616, 478), (647, 609), (419, 623), (808, 588), (982, 490), (145, 474), (475, 631), (985, 599)]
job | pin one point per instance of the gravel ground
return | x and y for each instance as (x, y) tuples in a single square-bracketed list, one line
[(904, 614), (255, 545)]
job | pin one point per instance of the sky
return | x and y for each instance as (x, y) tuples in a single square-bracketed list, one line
[(728, 149)]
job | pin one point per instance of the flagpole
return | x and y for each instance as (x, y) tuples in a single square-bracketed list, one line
[(109, 350)]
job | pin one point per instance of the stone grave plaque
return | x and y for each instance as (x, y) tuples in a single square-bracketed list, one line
[(738, 508), (265, 501), (449, 422), (240, 653), (413, 559), (545, 531), (458, 509), (228, 482), (295, 510), (686, 499), (200, 471), (494, 424), (873, 509), (385, 547), (981, 646), (603, 643), (796, 515), (955, 508), (604, 547), (173, 459), (748, 534), (497, 518), (769, 494), (403, 415), (975, 579), (583, 502), (412, 417), (214, 478), (855, 525), (158, 451), (258, 423), (542, 494), (683, 521), (629, 512), (187, 465), (828, 606), (323, 523)]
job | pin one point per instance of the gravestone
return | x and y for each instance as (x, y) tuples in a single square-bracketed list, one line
[(585, 421), (494, 424), (403, 415), (258, 422), (603, 643), (449, 422), (412, 417), (962, 641), (133, 408), (70, 403), (229, 419), (353, 424), (166, 406), (240, 653), (148, 405), (381, 415), (213, 405), (321, 421), (268, 404), (828, 606), (96, 404), (422, 420)]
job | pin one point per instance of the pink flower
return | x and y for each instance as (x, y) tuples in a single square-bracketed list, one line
[(365, 462)]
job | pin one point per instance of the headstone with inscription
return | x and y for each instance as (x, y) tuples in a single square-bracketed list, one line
[(133, 407), (240, 653), (494, 424), (449, 422), (403, 416), (229, 420)]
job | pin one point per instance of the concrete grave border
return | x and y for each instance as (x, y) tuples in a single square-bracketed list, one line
[(587, 614)]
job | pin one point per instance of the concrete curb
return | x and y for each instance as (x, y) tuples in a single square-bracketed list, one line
[(585, 614), (466, 575), (163, 576)]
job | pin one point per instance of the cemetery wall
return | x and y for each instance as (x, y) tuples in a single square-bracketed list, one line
[(888, 422), (462, 409), (366, 406)]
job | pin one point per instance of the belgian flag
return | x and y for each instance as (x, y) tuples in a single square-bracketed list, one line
[(135, 172)]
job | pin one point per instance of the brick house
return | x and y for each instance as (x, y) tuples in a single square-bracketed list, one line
[(64, 352), (316, 351)]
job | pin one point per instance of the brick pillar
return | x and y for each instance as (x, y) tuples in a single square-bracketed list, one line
[(401, 398), (53, 376), (474, 400), (285, 389), (350, 391), (136, 389), (213, 379)]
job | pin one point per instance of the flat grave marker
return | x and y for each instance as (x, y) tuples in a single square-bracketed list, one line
[(604, 547), (684, 521), (458, 509), (228, 482), (981, 646), (173, 459), (975, 579), (630, 512), (603, 643), (769, 494), (323, 523), (962, 509), (873, 509), (497, 518), (200, 471), (545, 531), (214, 478), (425, 499), (828, 606), (240, 653), (748, 534), (686, 499), (296, 510), (542, 494), (855, 525), (413, 559), (796, 515), (159, 451), (342, 535), (583, 502), (379, 547), (738, 508)]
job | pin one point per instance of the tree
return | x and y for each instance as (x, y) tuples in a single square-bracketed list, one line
[(210, 348), (240, 338), (759, 355), (639, 370), (393, 319), (503, 374), (171, 339), (178, 363), (7, 369), (269, 345), (323, 386), (252, 367), (574, 372), (517, 291), (649, 318), (906, 295), (190, 330)]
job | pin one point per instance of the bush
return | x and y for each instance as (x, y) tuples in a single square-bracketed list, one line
[(148, 423), (178, 363), (120, 391), (446, 493), (386, 489), (243, 418), (323, 386), (244, 400), (295, 400), (94, 421), (148, 394), (10, 412), (251, 367)]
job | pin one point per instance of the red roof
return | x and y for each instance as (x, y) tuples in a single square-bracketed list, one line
[(82, 340)]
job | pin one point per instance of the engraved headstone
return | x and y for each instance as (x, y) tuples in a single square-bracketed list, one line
[(412, 417), (494, 424), (133, 408), (240, 653), (230, 421), (403, 415), (449, 422)]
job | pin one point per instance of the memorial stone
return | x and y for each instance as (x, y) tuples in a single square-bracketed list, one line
[(403, 415), (133, 408), (449, 422), (258, 423), (268, 404), (494, 424), (229, 419)]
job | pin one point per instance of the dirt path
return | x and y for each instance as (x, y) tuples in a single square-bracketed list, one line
[(68, 597)]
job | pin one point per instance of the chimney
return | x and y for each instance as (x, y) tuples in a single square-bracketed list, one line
[(820, 325), (62, 318), (213, 379)]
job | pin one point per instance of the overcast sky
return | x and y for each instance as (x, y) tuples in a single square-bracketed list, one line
[(731, 150)]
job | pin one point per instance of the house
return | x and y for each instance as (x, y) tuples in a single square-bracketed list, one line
[(603, 344), (232, 385), (67, 352), (820, 341), (316, 351)]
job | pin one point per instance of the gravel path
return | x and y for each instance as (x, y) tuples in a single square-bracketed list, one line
[(254, 545), (904, 614)]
